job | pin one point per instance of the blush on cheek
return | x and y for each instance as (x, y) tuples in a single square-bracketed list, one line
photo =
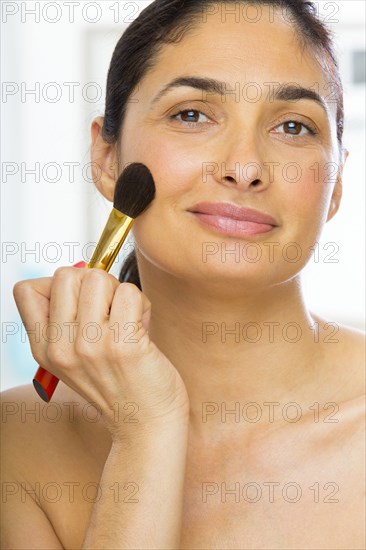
[(177, 165), (311, 193)]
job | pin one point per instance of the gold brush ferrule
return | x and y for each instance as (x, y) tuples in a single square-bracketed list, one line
[(113, 236)]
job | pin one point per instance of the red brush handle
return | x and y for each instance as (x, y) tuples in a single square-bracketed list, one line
[(44, 382)]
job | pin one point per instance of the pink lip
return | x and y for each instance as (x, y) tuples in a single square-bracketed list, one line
[(233, 220)]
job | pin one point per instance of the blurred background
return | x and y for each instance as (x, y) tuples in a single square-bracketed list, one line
[(55, 57)]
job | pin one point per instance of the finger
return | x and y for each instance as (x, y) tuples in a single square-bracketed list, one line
[(130, 314), (95, 298), (40, 287), (62, 328), (32, 298), (65, 290)]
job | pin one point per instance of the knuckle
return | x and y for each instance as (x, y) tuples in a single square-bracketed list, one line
[(96, 276), (20, 288), (84, 349), (63, 271), (99, 276), (128, 292), (56, 356), (37, 354), (96, 272), (130, 287)]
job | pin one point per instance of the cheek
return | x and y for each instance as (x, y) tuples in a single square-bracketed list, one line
[(306, 201), (163, 232), (163, 238), (171, 164)]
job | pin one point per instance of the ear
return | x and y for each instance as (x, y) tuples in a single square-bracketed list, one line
[(104, 161), (338, 189)]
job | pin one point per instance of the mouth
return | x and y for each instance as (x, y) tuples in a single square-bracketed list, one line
[(233, 220)]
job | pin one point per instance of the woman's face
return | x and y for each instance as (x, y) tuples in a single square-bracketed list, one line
[(243, 147)]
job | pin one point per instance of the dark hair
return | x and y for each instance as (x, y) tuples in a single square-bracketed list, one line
[(167, 21)]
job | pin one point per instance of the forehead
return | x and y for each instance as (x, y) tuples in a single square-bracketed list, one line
[(241, 47)]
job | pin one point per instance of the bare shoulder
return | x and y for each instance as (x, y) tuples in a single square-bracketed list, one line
[(342, 383), (53, 455), (344, 353), (354, 341), (351, 340), (352, 355), (35, 432)]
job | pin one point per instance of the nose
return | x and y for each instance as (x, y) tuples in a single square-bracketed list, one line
[(243, 164)]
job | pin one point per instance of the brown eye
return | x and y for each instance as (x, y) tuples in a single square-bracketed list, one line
[(190, 116), (294, 128)]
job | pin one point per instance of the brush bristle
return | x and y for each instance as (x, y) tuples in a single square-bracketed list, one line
[(135, 190)]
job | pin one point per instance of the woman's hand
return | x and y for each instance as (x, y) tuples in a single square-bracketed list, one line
[(91, 331)]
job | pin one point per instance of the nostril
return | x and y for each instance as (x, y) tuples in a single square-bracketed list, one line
[(255, 183)]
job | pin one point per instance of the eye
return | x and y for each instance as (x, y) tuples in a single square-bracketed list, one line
[(295, 128), (194, 117), (190, 117)]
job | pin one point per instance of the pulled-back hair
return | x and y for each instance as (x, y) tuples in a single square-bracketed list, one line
[(166, 22)]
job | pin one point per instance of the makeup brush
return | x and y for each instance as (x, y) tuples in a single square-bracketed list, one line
[(134, 192)]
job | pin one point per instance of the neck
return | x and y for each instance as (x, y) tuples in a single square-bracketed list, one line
[(233, 347)]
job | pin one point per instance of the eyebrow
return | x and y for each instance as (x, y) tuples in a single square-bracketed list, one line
[(286, 92)]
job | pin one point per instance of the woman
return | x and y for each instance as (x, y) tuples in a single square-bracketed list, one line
[(235, 419)]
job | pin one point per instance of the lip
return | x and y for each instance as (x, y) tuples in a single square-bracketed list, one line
[(233, 220)]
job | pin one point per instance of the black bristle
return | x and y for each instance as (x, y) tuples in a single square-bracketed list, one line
[(135, 190)]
